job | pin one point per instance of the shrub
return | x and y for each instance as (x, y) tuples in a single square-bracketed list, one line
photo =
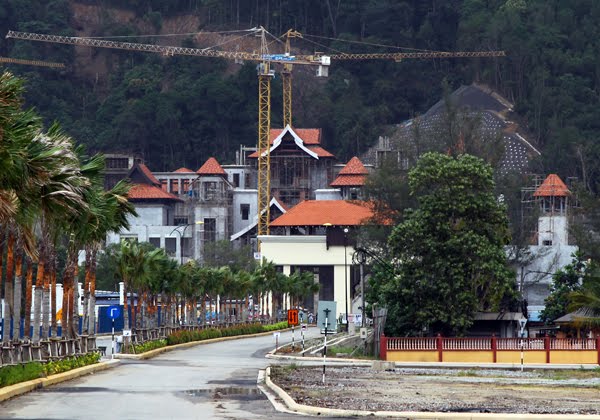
[(186, 336), (63, 365), (14, 374), (278, 326), (147, 346)]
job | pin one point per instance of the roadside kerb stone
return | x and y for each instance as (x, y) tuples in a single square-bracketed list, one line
[(292, 405), (11, 391), (156, 352)]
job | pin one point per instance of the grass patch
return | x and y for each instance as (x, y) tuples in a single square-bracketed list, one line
[(469, 373), (357, 352), (561, 375)]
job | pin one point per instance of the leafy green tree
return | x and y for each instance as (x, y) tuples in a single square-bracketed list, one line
[(564, 282), (223, 253), (449, 252)]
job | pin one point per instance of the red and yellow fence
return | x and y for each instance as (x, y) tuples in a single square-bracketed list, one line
[(491, 350)]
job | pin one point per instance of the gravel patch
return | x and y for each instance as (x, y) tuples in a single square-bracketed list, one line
[(445, 390)]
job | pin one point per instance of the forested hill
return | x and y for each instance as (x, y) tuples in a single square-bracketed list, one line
[(177, 111)]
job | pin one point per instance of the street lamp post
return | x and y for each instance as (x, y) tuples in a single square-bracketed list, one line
[(181, 235), (346, 275)]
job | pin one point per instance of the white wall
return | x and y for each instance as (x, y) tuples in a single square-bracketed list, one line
[(242, 196), (311, 250), (554, 229)]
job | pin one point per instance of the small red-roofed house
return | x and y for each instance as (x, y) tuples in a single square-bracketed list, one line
[(155, 210), (299, 164), (212, 194), (318, 236), (351, 179)]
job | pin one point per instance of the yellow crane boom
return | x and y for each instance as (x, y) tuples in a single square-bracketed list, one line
[(11, 60)]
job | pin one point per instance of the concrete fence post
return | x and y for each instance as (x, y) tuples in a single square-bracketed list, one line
[(440, 345), (383, 347), (598, 347), (494, 348), (547, 347)]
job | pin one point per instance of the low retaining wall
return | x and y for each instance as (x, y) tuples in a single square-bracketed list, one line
[(491, 350)]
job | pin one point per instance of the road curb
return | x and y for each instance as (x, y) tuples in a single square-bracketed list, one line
[(292, 405), (156, 352), (24, 387)]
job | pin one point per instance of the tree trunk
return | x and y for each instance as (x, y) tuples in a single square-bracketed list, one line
[(46, 303), (37, 310), (18, 293), (28, 293), (2, 234), (125, 306), (53, 302), (46, 306), (8, 289), (132, 305), (86, 288), (76, 298), (92, 294)]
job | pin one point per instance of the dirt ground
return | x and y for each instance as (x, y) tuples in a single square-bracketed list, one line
[(443, 390)]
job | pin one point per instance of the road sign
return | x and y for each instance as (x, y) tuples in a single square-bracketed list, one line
[(522, 323), (126, 333), (303, 327), (276, 334), (292, 317), (114, 312), (326, 315)]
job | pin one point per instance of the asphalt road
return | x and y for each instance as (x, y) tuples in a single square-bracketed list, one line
[(210, 381)]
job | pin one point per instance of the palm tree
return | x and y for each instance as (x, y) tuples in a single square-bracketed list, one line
[(61, 195), (586, 300), (111, 212), (20, 173), (302, 285), (214, 286), (135, 264)]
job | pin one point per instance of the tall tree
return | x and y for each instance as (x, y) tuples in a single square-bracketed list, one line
[(449, 251)]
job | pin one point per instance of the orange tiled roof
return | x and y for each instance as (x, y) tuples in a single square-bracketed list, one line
[(149, 174), (349, 181), (184, 170), (354, 167), (319, 151), (319, 212), (149, 192), (308, 135), (211, 167), (552, 186)]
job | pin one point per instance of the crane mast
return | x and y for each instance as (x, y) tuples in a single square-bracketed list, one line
[(286, 79), (265, 74)]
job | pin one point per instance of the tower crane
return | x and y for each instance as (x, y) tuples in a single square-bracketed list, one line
[(265, 74), (10, 60)]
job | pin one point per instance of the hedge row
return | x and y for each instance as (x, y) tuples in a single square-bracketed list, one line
[(13, 374), (184, 336)]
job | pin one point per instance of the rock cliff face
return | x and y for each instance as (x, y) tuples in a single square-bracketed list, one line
[(94, 20)]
